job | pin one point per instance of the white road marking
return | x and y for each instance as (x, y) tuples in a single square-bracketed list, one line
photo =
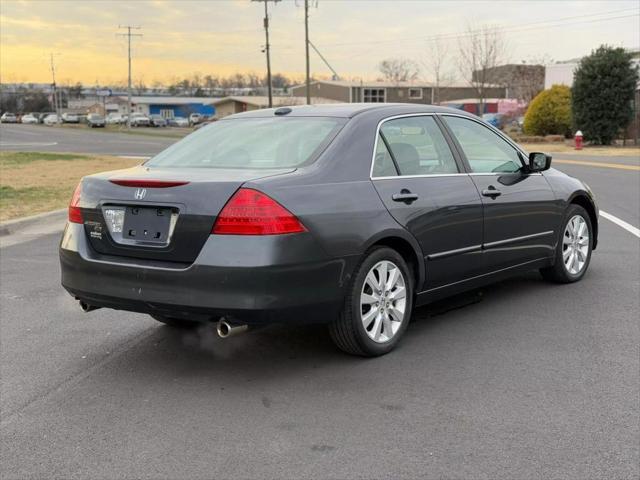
[(134, 157), (621, 223)]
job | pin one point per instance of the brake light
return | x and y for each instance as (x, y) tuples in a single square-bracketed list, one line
[(250, 212), (147, 183), (75, 215)]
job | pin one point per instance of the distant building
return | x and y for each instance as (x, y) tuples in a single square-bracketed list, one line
[(561, 73), (521, 81), (238, 104), (169, 107), (387, 92)]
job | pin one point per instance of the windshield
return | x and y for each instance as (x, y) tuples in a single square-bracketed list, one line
[(252, 143)]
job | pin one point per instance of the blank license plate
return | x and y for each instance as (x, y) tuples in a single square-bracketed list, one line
[(146, 224)]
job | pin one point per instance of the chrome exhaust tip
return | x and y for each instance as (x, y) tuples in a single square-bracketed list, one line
[(226, 329), (86, 307)]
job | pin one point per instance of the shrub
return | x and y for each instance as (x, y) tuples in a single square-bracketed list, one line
[(603, 90), (549, 113)]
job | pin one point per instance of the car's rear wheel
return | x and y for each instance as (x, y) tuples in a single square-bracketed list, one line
[(573, 252), (378, 306), (176, 322)]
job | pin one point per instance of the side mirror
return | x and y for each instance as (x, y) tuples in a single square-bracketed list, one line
[(539, 162)]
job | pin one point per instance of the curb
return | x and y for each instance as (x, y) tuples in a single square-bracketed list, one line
[(13, 226)]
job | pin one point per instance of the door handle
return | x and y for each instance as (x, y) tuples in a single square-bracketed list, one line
[(491, 192), (404, 196)]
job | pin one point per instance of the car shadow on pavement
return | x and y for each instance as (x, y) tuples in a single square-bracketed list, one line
[(291, 351)]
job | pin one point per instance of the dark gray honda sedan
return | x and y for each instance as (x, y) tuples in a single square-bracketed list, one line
[(349, 215)]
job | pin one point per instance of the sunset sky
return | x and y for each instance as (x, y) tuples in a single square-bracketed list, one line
[(220, 37)]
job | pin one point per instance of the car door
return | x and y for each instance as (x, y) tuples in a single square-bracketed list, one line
[(521, 213), (418, 177)]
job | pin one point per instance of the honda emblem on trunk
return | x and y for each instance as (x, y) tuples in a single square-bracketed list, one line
[(140, 193)]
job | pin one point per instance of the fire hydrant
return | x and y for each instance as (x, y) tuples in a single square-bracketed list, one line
[(578, 140)]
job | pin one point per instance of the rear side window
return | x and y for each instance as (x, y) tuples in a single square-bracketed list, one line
[(417, 146), (486, 152), (253, 143)]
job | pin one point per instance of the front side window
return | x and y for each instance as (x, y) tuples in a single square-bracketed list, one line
[(485, 151), (252, 143), (373, 95), (417, 145)]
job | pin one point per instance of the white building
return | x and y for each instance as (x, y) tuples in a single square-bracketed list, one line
[(561, 73)]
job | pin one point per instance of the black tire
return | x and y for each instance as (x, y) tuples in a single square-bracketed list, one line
[(558, 272), (176, 322), (348, 331)]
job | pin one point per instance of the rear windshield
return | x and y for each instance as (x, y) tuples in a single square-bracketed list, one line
[(252, 143)]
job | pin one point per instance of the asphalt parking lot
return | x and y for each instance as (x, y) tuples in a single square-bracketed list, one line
[(40, 138), (526, 380)]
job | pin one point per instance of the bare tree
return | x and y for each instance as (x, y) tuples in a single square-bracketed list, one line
[(139, 86), (529, 79), (210, 82), (436, 66), (480, 50), (397, 70)]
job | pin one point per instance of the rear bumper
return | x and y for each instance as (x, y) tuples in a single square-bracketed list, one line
[(252, 279)]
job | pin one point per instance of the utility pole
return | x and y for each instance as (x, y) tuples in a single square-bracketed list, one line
[(306, 47), (267, 46), (129, 35), (54, 92)]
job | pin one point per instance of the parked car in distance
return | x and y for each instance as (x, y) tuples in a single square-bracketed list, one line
[(202, 124), (8, 117), (95, 120), (68, 117), (178, 122), (42, 115), (51, 119), (345, 214), (493, 119), (114, 119), (29, 118), (157, 120), (139, 120), (195, 118)]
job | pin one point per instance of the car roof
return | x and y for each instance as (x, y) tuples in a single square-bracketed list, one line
[(348, 110)]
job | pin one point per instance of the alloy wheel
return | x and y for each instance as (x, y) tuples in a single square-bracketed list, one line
[(383, 301), (575, 245)]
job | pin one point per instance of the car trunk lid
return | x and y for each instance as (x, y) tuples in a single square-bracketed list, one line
[(158, 213)]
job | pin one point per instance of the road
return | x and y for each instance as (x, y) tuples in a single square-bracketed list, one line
[(40, 138), (533, 381)]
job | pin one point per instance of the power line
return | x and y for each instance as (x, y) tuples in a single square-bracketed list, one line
[(512, 29), (129, 35), (335, 74)]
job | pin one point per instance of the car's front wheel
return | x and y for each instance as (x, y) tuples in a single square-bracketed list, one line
[(573, 252), (378, 306)]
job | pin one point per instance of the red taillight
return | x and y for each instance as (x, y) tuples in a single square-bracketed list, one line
[(147, 183), (75, 215), (249, 212)]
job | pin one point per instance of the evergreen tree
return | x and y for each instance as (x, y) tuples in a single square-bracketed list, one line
[(603, 89)]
